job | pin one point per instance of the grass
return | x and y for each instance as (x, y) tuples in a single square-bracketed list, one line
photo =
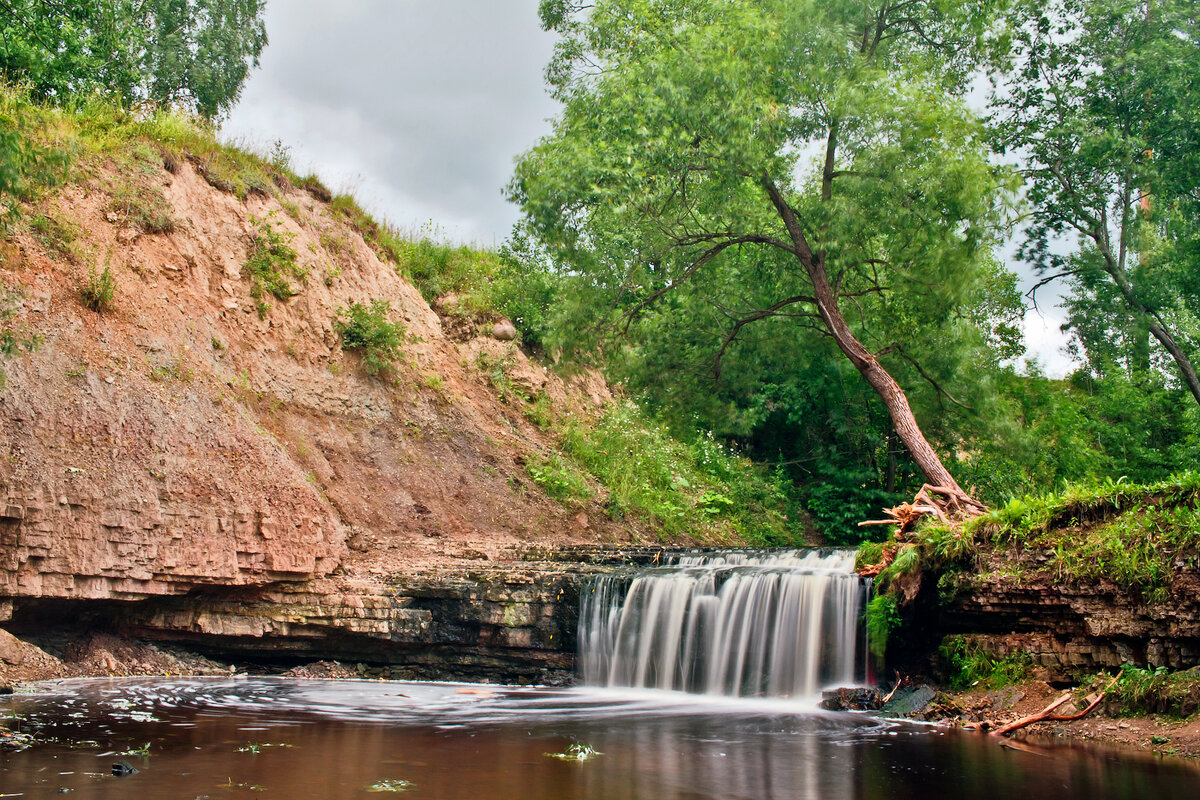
[(14, 337), (968, 665), (1156, 691), (1134, 535), (697, 489), (99, 290)]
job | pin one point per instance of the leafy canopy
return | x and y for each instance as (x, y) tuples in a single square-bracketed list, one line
[(192, 53), (725, 163)]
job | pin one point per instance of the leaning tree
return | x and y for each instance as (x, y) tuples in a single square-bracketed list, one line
[(825, 140)]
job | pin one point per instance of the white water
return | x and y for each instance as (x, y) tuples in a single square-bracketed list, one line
[(739, 624)]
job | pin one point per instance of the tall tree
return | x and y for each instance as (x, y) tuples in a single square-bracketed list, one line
[(1102, 106), (817, 147), (194, 53)]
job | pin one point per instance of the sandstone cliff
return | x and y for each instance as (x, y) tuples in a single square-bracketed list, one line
[(180, 442)]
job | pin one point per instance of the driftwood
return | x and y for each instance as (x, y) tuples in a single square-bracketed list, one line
[(1047, 714)]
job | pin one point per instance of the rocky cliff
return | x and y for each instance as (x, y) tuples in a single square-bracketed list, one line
[(197, 438)]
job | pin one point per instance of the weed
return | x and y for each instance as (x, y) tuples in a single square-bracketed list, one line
[(290, 208), (968, 664), (389, 785), (99, 290), (1156, 691), (78, 371), (271, 263), (882, 617), (368, 330), (558, 479), (699, 489), (577, 752), (142, 206), (57, 235), (176, 369)]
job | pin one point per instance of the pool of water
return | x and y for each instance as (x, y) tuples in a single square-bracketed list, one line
[(294, 740)]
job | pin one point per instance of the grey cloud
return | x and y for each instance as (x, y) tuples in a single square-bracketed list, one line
[(442, 96)]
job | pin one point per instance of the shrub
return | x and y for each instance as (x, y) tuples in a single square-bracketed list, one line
[(99, 290), (272, 261), (368, 330)]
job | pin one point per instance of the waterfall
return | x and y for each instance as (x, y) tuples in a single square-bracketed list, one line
[(780, 624)]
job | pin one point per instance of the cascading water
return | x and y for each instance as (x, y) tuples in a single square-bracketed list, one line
[(778, 624)]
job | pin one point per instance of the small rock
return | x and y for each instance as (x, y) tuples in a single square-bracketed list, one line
[(504, 331), (909, 701), (12, 651)]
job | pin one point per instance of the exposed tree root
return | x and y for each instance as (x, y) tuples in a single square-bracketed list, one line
[(948, 505)]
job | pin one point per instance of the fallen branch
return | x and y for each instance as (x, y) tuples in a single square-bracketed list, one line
[(1047, 715)]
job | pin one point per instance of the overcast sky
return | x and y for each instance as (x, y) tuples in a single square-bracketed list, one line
[(418, 107)]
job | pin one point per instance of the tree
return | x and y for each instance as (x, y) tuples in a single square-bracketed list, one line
[(1103, 107), (194, 53), (819, 150)]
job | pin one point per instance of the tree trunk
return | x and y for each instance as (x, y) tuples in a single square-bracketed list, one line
[(862, 358), (882, 382)]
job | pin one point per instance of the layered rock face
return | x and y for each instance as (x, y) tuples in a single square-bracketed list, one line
[(202, 460), (1072, 628)]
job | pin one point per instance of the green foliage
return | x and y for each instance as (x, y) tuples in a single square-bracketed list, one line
[(1156, 691), (883, 617), (13, 337), (698, 489), (189, 53), (679, 201), (558, 479), (1132, 534), (59, 236), (1097, 103), (967, 665), (368, 329), (99, 290), (142, 206), (271, 263)]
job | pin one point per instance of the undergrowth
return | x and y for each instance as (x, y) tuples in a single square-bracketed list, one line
[(271, 264), (368, 330), (695, 488), (1155, 691), (968, 665)]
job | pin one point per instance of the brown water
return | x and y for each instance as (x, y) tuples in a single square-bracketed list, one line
[(294, 740)]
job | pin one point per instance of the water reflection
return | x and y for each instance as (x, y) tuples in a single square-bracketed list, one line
[(303, 740)]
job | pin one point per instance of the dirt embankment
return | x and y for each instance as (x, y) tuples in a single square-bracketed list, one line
[(181, 440)]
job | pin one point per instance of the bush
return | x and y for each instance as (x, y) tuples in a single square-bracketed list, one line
[(368, 330), (99, 290), (272, 261)]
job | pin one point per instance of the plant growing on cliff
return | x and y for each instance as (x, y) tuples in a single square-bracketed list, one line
[(99, 290), (367, 329), (271, 263)]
